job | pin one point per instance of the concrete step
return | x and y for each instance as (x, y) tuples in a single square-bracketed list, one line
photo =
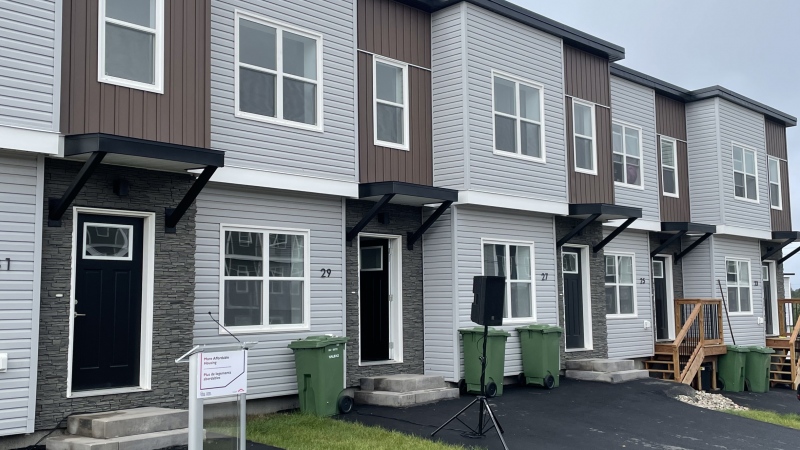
[(600, 365), (400, 399), (127, 422), (402, 383), (147, 441), (608, 377)]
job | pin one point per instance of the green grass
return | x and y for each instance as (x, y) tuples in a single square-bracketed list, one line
[(784, 420), (307, 432)]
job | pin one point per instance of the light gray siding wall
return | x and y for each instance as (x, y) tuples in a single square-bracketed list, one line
[(495, 42), (441, 336), (698, 280), (746, 328), (627, 337), (258, 145), (745, 127), (474, 224), (28, 63), (450, 139), (19, 290), (705, 185), (270, 364), (635, 105)]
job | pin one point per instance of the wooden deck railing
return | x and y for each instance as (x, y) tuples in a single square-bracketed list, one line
[(698, 324), (789, 326)]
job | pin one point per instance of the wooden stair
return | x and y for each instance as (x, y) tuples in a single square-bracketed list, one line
[(785, 362)]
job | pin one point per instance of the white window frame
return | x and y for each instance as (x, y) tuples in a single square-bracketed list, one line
[(739, 285), (519, 119), (280, 27), (777, 182), (158, 51), (674, 168), (507, 306), (380, 260), (617, 255), (266, 327), (406, 126), (131, 238), (575, 137), (625, 155), (745, 149)]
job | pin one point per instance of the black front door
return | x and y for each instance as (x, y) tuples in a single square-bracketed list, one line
[(768, 313), (573, 297), (374, 301), (108, 302), (661, 298)]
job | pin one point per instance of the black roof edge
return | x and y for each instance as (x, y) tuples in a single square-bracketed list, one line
[(77, 144), (687, 96), (571, 36), (576, 209), (409, 189), (783, 235), (688, 227)]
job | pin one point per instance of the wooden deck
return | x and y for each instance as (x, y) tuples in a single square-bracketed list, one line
[(785, 362)]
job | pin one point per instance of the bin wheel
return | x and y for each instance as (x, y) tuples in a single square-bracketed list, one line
[(549, 382), (491, 389), (462, 387), (345, 404), (720, 384), (522, 379)]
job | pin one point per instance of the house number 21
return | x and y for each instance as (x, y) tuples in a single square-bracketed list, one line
[(326, 273)]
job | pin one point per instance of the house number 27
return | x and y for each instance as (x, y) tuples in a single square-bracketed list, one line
[(326, 273)]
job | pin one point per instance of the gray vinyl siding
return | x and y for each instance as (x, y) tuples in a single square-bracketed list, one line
[(19, 290), (698, 281), (440, 332), (746, 329), (448, 98), (627, 337), (258, 145), (745, 127), (474, 224), (702, 131), (28, 63), (271, 363), (635, 105)]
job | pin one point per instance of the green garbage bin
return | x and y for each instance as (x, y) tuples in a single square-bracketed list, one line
[(319, 361), (756, 369), (495, 360), (730, 368), (541, 348)]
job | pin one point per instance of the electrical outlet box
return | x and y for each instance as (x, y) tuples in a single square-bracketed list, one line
[(761, 321), (3, 362), (647, 325)]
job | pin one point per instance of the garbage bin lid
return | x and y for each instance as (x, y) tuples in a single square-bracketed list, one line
[(760, 349), (738, 348), (541, 328), (318, 341), (479, 330)]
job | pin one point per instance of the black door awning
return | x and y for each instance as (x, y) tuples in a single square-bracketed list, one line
[(590, 212), (385, 192), (677, 230), (781, 239), (99, 147)]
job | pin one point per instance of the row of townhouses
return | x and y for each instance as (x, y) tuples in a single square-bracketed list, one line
[(293, 168)]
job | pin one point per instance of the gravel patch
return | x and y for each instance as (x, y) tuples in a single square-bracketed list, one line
[(707, 400)]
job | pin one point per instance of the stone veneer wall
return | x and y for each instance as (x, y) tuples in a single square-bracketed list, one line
[(173, 296), (590, 236), (677, 269), (402, 219)]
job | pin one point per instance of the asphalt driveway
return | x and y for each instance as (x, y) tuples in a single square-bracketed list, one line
[(588, 415)]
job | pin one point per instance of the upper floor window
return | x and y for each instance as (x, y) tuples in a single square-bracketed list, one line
[(515, 262), (775, 200), (669, 167), (518, 117), (583, 137), (745, 173), (390, 107), (620, 290), (131, 44), (278, 73), (738, 282), (627, 154)]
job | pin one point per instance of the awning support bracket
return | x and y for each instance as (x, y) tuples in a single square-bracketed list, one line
[(578, 228), (613, 234), (772, 250), (58, 206), (376, 208), (668, 242), (700, 240), (792, 253), (412, 238), (173, 215)]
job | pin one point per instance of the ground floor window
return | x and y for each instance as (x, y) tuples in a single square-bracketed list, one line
[(515, 262), (620, 296), (265, 279), (738, 281)]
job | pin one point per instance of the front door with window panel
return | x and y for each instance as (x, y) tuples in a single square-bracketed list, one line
[(662, 297), (374, 301), (769, 312), (573, 298), (108, 302)]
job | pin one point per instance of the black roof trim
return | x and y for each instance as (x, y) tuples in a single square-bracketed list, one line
[(690, 227), (782, 235), (410, 189), (687, 96), (78, 144), (571, 36), (604, 209)]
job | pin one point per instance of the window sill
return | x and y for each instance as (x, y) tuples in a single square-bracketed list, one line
[(262, 329), (99, 392), (541, 160), (379, 363), (776, 208), (519, 321), (586, 171), (742, 314), (154, 88), (282, 122), (667, 194), (745, 199), (391, 145), (577, 350), (629, 186), (622, 316)]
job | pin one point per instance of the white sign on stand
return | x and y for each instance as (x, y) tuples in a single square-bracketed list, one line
[(222, 374)]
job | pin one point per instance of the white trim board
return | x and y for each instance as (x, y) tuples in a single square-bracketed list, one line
[(29, 140), (743, 232), (480, 198), (638, 224), (283, 181), (37, 294)]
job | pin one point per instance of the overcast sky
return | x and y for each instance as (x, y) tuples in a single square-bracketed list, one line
[(749, 46)]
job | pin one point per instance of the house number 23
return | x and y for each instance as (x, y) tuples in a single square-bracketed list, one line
[(326, 273)]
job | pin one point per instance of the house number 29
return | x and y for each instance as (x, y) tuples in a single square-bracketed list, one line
[(326, 273)]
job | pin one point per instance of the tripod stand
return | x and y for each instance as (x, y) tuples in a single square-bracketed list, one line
[(484, 409)]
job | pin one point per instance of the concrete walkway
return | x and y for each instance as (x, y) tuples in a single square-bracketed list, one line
[(588, 415)]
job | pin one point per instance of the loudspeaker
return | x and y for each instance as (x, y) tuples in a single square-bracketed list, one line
[(487, 307)]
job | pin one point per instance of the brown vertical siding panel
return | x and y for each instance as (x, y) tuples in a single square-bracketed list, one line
[(93, 91), (177, 77), (670, 117), (66, 66), (394, 30), (107, 108), (122, 109), (408, 52), (586, 76), (572, 181), (363, 60), (136, 120), (782, 218), (391, 30), (384, 23), (362, 21), (776, 139), (190, 77)]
